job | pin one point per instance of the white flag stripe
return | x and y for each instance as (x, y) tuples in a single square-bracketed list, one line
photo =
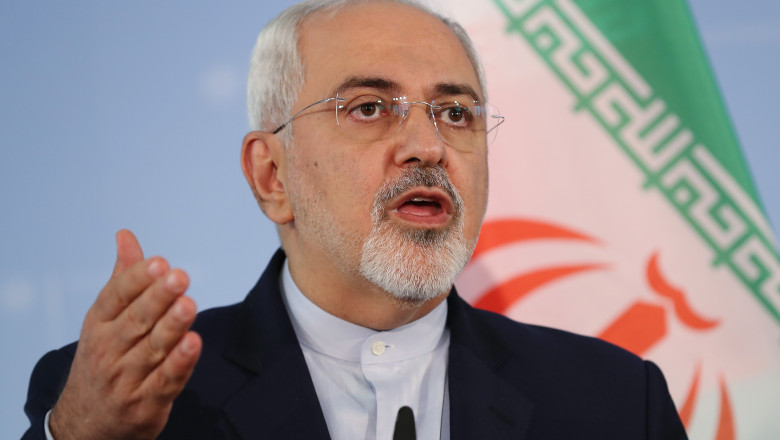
[(735, 191)]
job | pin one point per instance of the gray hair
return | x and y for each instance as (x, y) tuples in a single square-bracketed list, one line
[(276, 69)]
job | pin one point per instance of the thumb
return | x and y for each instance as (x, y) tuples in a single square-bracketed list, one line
[(128, 251)]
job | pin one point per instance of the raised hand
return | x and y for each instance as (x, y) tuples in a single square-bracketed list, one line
[(135, 353)]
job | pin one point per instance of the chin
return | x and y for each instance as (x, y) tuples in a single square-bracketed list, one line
[(414, 265)]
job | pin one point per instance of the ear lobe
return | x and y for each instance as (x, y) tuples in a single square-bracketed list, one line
[(263, 160)]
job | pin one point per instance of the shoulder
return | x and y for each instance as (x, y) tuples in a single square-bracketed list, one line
[(541, 360), (580, 380), (46, 381), (547, 344)]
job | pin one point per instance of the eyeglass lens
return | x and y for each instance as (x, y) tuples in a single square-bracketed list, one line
[(460, 121)]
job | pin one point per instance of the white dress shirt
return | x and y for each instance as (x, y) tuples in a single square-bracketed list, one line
[(363, 376)]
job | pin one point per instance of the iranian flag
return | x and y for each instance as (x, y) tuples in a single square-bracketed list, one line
[(620, 204)]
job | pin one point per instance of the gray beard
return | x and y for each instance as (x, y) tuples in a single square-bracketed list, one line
[(411, 264)]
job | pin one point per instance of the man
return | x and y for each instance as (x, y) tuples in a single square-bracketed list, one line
[(370, 154)]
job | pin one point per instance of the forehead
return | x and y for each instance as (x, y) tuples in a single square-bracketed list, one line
[(381, 40)]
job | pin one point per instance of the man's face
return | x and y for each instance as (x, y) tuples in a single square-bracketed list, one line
[(335, 182)]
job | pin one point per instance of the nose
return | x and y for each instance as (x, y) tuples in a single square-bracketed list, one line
[(418, 140)]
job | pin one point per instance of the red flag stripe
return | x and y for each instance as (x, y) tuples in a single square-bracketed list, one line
[(500, 232), (503, 296)]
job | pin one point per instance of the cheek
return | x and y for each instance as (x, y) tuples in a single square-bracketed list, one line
[(475, 197), (347, 190)]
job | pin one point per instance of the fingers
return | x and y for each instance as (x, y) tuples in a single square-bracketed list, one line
[(135, 302), (128, 251), (167, 332), (123, 288), (173, 326), (172, 374), (131, 275), (135, 353), (144, 312)]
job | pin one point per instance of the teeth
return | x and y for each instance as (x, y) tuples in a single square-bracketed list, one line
[(421, 199)]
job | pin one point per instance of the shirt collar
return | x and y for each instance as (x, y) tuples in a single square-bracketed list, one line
[(340, 339)]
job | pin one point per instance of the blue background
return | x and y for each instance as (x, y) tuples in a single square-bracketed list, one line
[(131, 115)]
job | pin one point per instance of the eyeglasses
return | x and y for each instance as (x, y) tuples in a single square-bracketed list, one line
[(461, 122)]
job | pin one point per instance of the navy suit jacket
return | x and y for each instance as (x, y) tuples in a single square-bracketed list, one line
[(506, 380)]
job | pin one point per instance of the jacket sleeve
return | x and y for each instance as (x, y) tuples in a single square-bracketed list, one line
[(663, 422), (47, 380)]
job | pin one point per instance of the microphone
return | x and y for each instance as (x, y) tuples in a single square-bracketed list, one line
[(404, 425)]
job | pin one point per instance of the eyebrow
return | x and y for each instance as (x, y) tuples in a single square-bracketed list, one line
[(384, 84), (372, 82), (451, 89)]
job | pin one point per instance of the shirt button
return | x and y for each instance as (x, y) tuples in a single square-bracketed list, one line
[(378, 348)]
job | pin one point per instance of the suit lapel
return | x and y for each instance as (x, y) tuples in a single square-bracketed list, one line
[(482, 404), (280, 401)]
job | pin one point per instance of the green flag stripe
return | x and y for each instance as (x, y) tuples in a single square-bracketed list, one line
[(659, 40), (671, 156)]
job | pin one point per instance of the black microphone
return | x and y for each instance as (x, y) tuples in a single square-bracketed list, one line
[(404, 425)]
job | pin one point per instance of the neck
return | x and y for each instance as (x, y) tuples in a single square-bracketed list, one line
[(352, 298)]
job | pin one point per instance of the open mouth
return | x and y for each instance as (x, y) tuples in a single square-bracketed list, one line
[(421, 206), (428, 207)]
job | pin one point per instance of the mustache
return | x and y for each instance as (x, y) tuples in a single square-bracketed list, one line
[(415, 177)]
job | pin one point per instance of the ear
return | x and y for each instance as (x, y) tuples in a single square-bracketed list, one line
[(263, 160)]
